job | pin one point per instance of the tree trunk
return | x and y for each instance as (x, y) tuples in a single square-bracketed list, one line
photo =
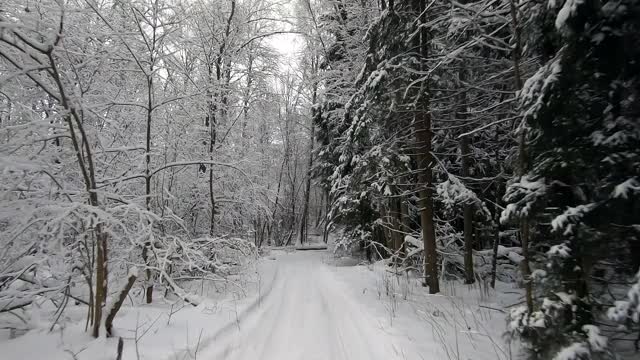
[(494, 257), (212, 121), (83, 153), (101, 279), (467, 213), (496, 239), (328, 219), (221, 70), (522, 157), (304, 232), (398, 231), (87, 169), (246, 97), (428, 226), (212, 202), (406, 223), (275, 206), (321, 206), (423, 135), (524, 265), (147, 185), (119, 349)]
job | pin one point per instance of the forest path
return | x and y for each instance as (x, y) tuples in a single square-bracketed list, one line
[(307, 313)]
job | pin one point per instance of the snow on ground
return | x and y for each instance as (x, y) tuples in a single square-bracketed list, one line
[(306, 305), (309, 314), (463, 322), (162, 330), (326, 308)]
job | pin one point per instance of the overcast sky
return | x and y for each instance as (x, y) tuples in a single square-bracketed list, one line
[(288, 45)]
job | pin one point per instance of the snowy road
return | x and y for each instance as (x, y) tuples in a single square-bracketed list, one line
[(305, 313)]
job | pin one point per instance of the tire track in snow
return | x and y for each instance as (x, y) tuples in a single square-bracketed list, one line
[(308, 315), (263, 322)]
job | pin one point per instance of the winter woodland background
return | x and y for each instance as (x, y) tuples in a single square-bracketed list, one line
[(150, 147)]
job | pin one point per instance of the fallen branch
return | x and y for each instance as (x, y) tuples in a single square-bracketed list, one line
[(185, 296), (32, 281), (8, 307), (492, 308)]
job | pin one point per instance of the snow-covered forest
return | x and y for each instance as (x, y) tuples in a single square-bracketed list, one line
[(320, 179)]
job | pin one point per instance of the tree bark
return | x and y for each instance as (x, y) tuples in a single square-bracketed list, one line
[(406, 223), (119, 349), (398, 231), (73, 119), (426, 219), (304, 232), (496, 239), (467, 213), (147, 184), (423, 136), (147, 178), (222, 70), (522, 158), (494, 258)]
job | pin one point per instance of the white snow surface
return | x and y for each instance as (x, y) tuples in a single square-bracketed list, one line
[(597, 342), (575, 351), (308, 314), (568, 10), (306, 305), (622, 190)]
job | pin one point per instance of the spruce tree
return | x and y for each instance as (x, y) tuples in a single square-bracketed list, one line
[(581, 114)]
